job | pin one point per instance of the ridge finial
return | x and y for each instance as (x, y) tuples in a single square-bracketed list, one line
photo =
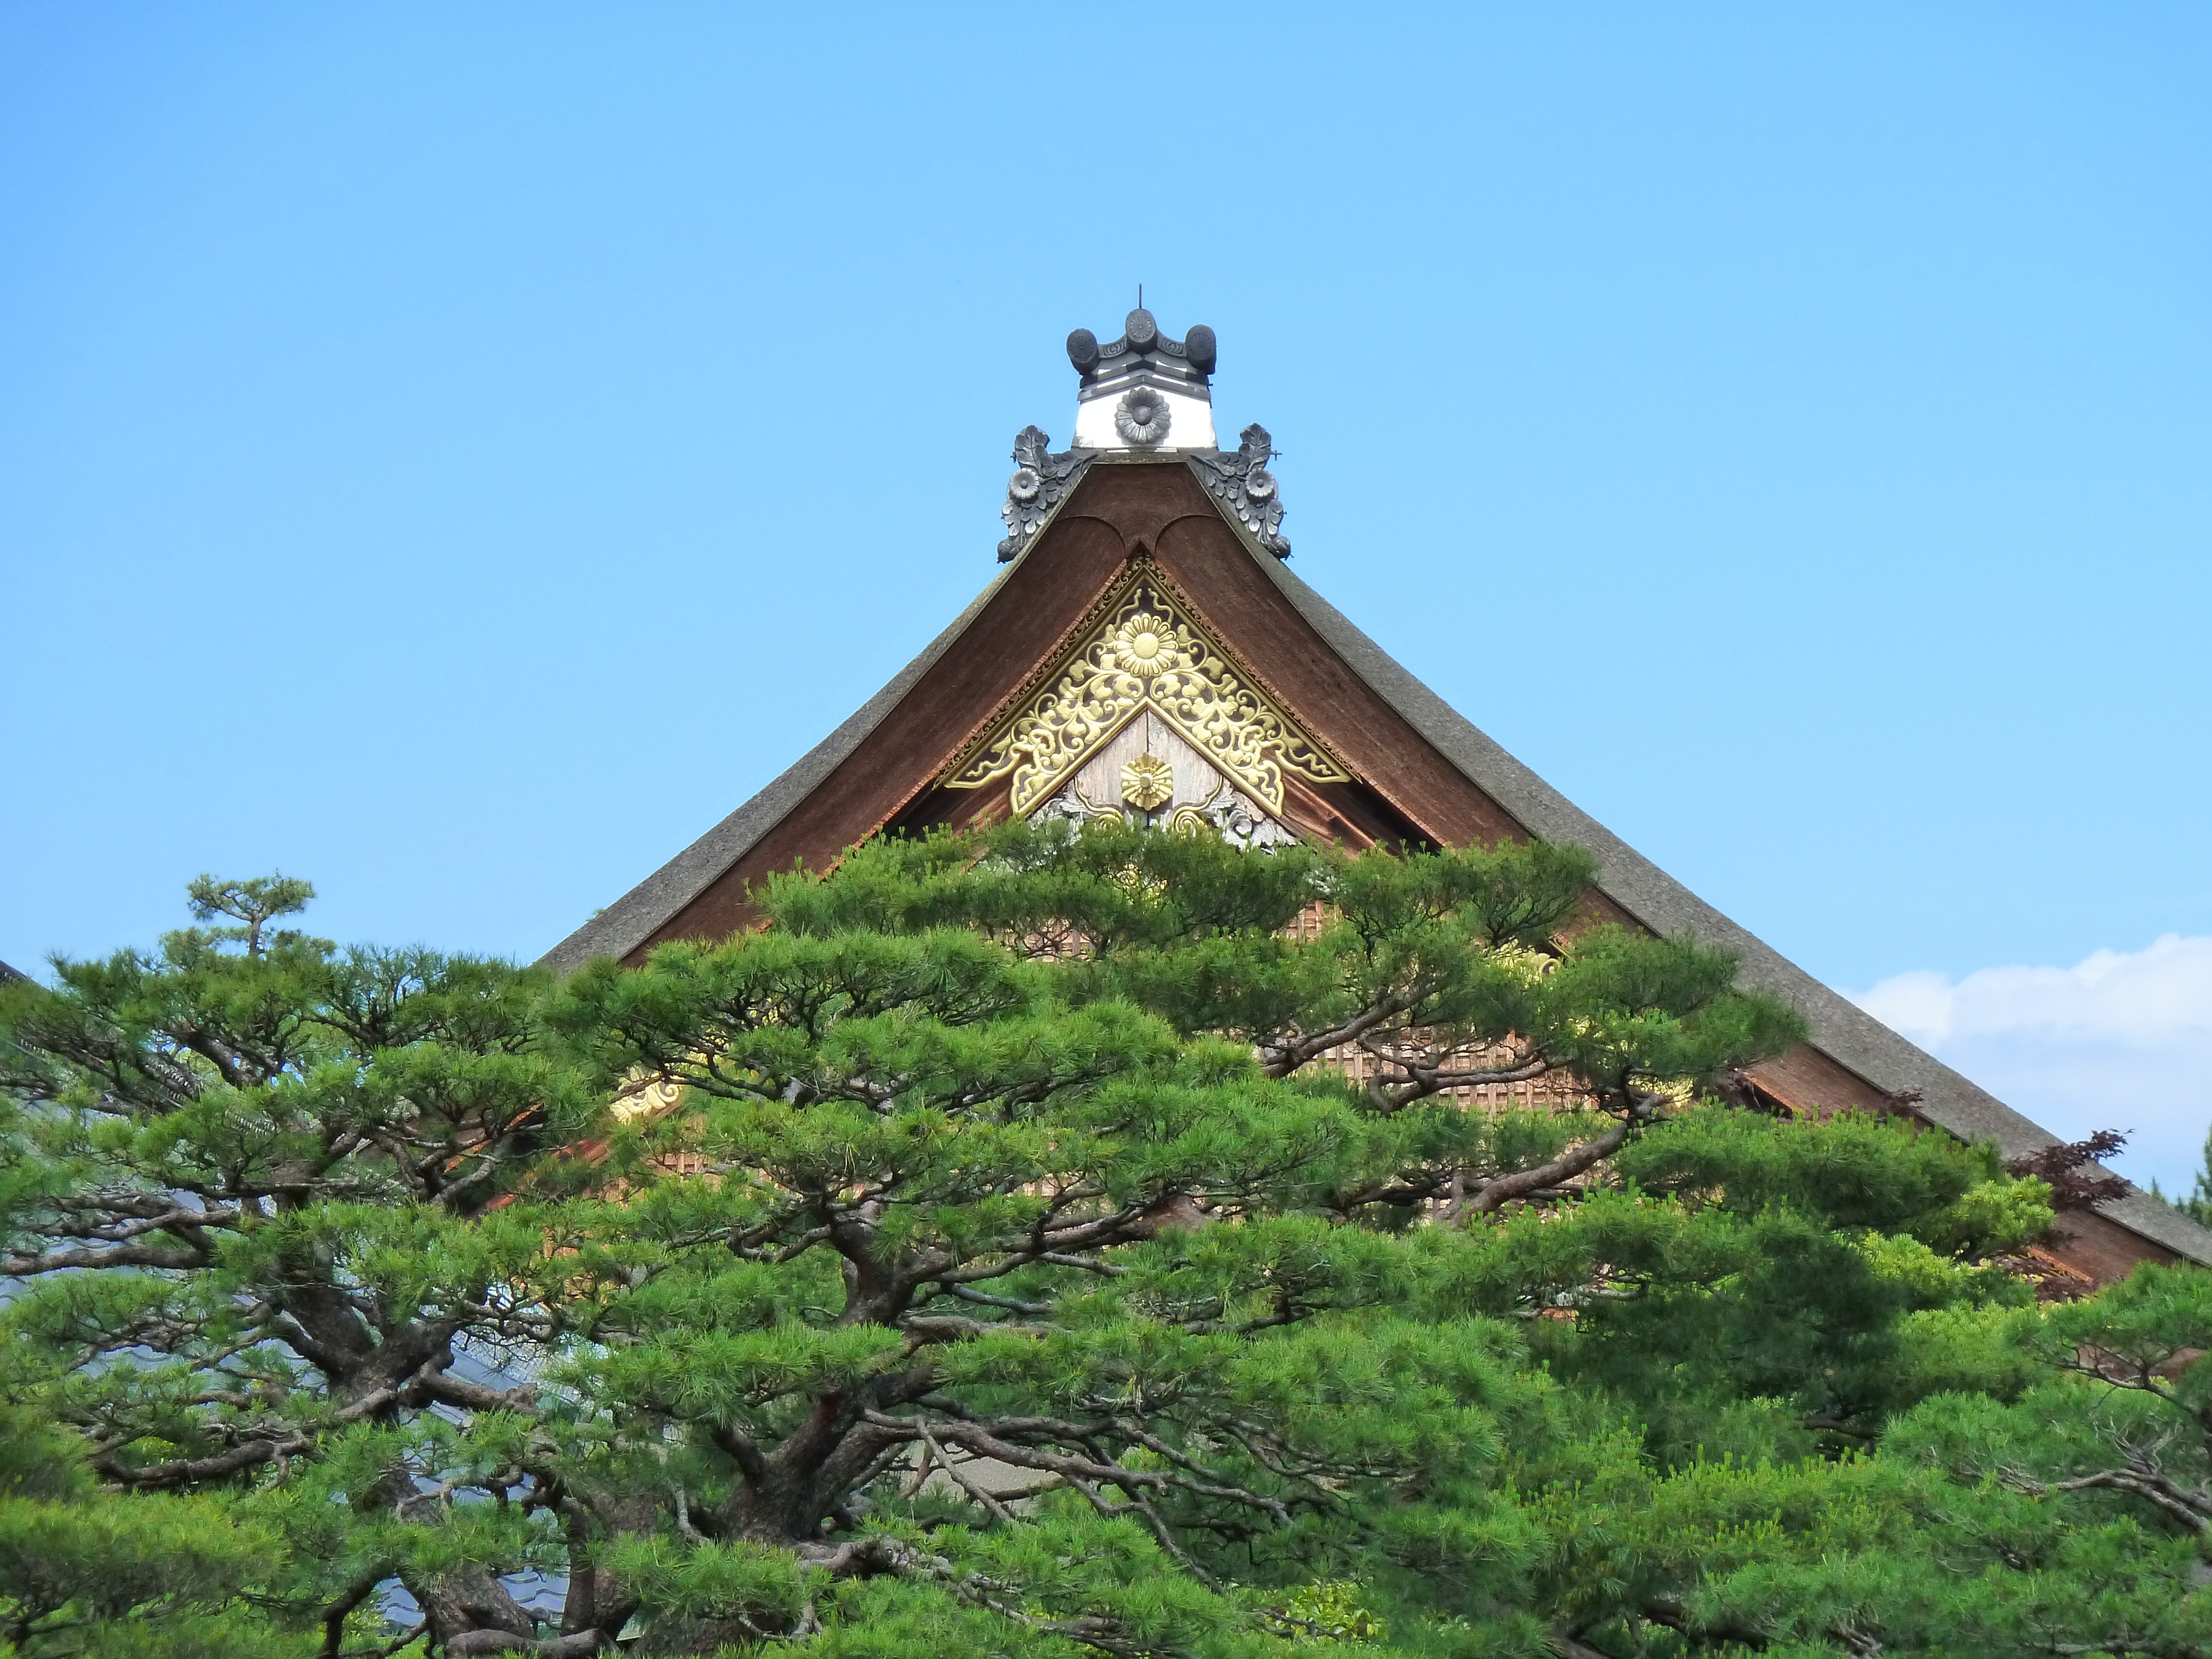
[(1144, 389)]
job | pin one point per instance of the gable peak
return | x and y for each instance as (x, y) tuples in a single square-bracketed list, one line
[(1143, 394)]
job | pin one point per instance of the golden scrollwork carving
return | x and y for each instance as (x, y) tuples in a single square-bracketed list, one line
[(643, 1097), (1192, 820), (1146, 653)]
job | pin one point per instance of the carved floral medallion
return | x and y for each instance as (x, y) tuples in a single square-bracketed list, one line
[(1148, 783)]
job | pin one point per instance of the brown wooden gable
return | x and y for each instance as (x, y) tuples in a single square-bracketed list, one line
[(1120, 512), (1421, 774)]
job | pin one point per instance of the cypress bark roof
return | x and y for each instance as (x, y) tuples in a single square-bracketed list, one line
[(892, 750)]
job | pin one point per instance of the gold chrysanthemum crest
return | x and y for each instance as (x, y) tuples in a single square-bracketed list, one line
[(1143, 646), (1148, 783), (1146, 651)]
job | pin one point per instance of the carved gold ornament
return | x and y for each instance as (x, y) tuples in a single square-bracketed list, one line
[(1146, 653), (643, 1097), (1148, 783), (1143, 646)]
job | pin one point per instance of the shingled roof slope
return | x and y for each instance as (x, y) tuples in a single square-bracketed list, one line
[(637, 914)]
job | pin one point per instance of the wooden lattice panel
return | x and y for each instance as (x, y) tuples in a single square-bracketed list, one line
[(1554, 1091)]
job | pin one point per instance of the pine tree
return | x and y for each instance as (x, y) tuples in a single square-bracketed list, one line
[(994, 1254), (2197, 1204)]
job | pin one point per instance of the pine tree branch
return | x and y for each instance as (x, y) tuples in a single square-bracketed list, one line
[(926, 1329), (335, 1615), (471, 1643), (2193, 1510), (985, 1436), (983, 1298), (184, 1471), (1065, 1259), (116, 1217), (1572, 1162), (115, 1255), (991, 1506), (1416, 1082), (436, 1383), (263, 1447), (739, 1447), (1284, 1055)]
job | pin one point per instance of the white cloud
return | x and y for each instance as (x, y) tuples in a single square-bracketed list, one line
[(2156, 995), (2121, 1040)]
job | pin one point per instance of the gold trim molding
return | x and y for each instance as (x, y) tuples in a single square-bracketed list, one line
[(1148, 652)]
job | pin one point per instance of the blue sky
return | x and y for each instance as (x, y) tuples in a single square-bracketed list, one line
[(458, 453)]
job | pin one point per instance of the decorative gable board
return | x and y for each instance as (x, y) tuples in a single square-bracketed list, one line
[(1144, 650)]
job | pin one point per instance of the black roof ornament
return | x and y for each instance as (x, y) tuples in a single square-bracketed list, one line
[(1240, 480), (1143, 356), (1041, 478)]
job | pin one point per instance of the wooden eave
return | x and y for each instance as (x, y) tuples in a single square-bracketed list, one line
[(1424, 773)]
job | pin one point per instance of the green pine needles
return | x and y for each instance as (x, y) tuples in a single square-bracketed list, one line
[(2197, 1203), (1008, 1261)]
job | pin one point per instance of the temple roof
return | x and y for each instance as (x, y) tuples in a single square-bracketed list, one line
[(1393, 761)]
